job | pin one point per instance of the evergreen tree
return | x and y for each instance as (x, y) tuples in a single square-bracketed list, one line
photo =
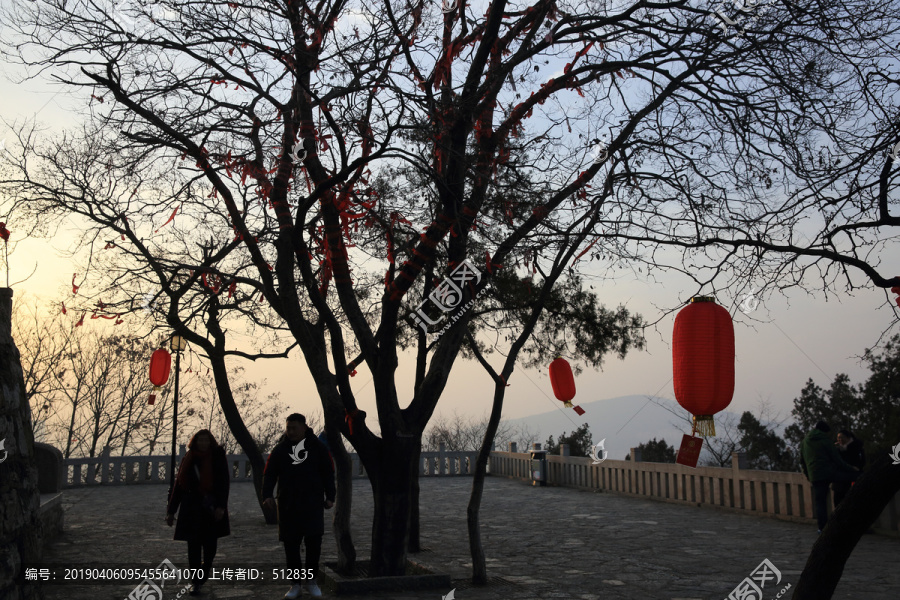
[(657, 451), (579, 441), (765, 450)]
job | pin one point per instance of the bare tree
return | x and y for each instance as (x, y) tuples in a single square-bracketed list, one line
[(264, 417), (42, 340), (271, 137)]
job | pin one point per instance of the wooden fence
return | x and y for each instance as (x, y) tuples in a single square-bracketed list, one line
[(125, 470), (776, 494)]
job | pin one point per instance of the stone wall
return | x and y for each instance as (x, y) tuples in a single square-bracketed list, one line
[(20, 518)]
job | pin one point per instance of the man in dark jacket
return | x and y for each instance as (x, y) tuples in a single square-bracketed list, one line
[(851, 450), (822, 465), (301, 466)]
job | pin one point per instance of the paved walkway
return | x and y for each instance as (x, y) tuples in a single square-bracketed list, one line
[(541, 542)]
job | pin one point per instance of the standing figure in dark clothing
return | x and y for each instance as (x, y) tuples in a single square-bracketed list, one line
[(305, 474), (822, 465), (201, 491), (851, 450)]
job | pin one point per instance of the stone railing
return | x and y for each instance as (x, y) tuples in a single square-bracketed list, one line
[(776, 494), (123, 470)]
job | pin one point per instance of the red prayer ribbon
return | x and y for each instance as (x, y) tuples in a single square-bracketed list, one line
[(171, 217), (348, 417)]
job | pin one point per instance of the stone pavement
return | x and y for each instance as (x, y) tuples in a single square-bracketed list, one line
[(540, 542)]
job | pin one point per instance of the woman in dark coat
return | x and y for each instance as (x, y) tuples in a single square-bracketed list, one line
[(201, 492)]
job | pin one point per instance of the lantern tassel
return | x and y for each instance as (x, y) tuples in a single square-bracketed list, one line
[(704, 425), (152, 398), (568, 404)]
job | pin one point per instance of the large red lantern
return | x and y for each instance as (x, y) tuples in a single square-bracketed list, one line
[(160, 366), (703, 361)]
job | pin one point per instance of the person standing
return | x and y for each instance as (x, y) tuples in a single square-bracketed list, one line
[(822, 465), (302, 467), (200, 495), (851, 450)]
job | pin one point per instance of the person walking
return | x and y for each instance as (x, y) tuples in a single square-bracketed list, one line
[(200, 495), (302, 467), (822, 465), (851, 450)]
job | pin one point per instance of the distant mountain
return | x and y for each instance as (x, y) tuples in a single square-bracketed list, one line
[(648, 419)]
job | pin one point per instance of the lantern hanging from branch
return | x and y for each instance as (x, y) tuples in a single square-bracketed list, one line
[(563, 383), (160, 366), (703, 361)]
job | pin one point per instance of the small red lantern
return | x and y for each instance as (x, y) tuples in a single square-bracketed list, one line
[(562, 380), (160, 366), (703, 361)]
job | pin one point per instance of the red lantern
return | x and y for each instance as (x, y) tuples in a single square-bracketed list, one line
[(562, 380), (160, 366), (703, 361)]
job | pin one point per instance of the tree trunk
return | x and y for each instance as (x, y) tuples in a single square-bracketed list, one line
[(343, 501), (479, 567), (391, 487), (239, 429), (21, 531), (414, 541), (859, 509)]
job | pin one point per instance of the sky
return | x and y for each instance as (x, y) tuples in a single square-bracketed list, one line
[(780, 343)]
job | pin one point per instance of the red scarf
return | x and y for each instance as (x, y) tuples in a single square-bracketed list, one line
[(203, 463)]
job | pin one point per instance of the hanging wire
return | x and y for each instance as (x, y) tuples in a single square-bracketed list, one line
[(549, 399), (649, 398)]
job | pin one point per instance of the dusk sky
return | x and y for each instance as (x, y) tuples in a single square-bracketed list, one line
[(790, 341)]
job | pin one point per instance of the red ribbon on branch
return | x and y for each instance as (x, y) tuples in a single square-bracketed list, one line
[(171, 218), (348, 418)]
